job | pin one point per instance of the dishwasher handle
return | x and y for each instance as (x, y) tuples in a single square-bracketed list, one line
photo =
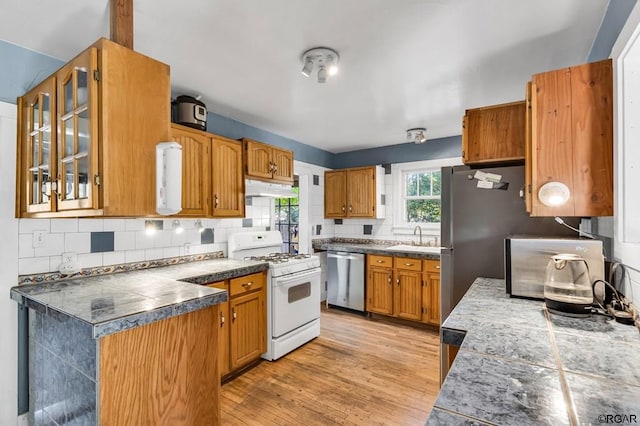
[(344, 255)]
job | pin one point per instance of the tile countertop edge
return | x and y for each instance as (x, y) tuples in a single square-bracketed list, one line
[(493, 378), (137, 318), (370, 248)]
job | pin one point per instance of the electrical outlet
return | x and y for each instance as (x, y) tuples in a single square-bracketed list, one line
[(39, 239), (70, 257)]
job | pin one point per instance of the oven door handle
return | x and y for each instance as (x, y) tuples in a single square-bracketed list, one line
[(295, 278)]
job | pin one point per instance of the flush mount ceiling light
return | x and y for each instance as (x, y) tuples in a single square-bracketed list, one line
[(554, 194), (324, 59), (417, 135)]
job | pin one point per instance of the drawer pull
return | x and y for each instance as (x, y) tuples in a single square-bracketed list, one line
[(408, 264), (380, 261), (438, 267), (247, 285)]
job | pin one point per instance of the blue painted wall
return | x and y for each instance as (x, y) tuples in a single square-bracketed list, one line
[(402, 153), (614, 19)]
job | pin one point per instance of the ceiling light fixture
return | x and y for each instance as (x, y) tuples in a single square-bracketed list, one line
[(417, 135), (324, 59)]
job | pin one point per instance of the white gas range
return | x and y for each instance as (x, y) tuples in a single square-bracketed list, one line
[(293, 290)]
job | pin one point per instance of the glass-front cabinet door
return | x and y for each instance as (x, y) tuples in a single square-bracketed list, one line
[(78, 177), (39, 113)]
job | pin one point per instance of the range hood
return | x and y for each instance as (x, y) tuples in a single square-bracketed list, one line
[(258, 188)]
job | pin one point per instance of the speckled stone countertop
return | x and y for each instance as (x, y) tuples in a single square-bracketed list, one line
[(116, 302), (520, 364), (370, 247)]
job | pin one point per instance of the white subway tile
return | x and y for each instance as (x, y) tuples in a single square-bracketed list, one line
[(29, 225), (33, 265), (54, 263), (64, 225), (220, 235), (178, 239), (134, 225), (144, 241), (133, 256), (193, 236), (170, 252), (78, 242), (25, 245), (90, 225), (113, 225), (90, 260), (248, 210), (113, 258), (163, 238), (124, 241), (54, 244), (153, 254)]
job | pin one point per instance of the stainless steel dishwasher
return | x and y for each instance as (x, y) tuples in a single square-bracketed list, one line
[(345, 280)]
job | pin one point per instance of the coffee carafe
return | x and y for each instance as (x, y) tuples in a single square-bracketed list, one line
[(567, 285)]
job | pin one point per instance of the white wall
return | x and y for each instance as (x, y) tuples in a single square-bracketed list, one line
[(9, 270), (626, 63)]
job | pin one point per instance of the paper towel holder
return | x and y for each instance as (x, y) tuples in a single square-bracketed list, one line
[(168, 178)]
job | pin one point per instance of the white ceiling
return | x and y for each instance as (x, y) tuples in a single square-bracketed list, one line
[(403, 63)]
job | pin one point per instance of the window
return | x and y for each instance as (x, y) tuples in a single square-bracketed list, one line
[(421, 196), (287, 212), (416, 194)]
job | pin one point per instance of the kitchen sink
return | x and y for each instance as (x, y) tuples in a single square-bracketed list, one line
[(417, 249)]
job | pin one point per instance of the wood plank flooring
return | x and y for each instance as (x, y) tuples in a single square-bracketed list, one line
[(358, 372)]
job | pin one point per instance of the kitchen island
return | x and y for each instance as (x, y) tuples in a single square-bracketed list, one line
[(127, 348), (520, 364)]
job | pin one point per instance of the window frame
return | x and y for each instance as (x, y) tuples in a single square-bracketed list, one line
[(398, 171)]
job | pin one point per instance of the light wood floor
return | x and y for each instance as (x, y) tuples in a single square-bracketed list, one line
[(358, 372)]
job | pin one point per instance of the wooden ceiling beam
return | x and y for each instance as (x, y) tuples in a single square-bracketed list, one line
[(121, 22)]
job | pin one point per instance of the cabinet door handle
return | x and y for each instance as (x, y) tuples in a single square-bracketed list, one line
[(389, 280), (350, 208), (235, 314), (438, 267), (398, 281), (247, 285), (221, 319), (343, 208), (217, 201)]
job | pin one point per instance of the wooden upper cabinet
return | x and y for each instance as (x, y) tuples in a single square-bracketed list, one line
[(36, 168), (527, 149), (228, 179), (335, 194), (266, 162), (355, 192), (494, 134), (572, 138), (111, 109), (196, 170)]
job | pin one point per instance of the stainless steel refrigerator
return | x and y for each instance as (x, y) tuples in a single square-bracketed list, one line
[(474, 224)]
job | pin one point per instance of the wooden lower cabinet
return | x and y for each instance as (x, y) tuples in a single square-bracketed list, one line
[(241, 322), (404, 288)]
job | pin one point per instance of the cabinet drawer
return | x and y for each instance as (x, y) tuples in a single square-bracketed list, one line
[(380, 261), (407, 264), (430, 265), (247, 283)]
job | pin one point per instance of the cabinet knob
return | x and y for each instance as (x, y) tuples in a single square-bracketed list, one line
[(389, 279), (398, 281), (343, 208), (380, 261), (350, 208), (438, 267), (247, 285)]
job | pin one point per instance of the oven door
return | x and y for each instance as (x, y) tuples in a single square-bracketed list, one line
[(296, 301)]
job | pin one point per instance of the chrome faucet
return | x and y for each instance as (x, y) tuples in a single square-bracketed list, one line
[(419, 229)]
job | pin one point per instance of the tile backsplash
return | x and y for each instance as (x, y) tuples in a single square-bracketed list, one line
[(102, 242)]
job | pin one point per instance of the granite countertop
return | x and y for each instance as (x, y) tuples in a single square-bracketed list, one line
[(520, 364), (120, 301), (371, 247)]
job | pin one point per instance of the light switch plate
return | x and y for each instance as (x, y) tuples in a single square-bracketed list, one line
[(39, 239)]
